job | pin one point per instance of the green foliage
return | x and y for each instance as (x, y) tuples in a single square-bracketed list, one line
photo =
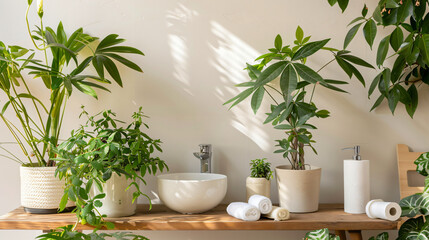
[(90, 156), (381, 236), (260, 168), (321, 234), (408, 43), (422, 163), (67, 232), (61, 72), (294, 107)]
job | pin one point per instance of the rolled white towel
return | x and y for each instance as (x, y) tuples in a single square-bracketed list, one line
[(243, 211), (278, 214), (261, 202)]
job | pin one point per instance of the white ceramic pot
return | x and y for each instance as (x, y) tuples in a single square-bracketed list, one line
[(260, 186), (118, 202), (41, 191), (299, 189)]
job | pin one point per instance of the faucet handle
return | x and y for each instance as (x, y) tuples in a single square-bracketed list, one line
[(205, 148)]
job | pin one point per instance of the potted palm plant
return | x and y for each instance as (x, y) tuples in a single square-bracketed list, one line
[(259, 181), (299, 182), (35, 123)]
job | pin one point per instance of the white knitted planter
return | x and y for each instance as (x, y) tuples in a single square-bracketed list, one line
[(41, 191)]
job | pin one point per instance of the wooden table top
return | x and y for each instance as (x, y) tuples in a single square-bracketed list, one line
[(330, 216)]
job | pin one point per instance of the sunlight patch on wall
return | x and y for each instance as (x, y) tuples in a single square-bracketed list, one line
[(231, 54), (176, 21)]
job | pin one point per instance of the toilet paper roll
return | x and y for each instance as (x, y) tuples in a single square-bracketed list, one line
[(385, 210), (356, 186)]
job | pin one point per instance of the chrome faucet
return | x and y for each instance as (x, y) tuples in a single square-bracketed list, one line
[(205, 156)]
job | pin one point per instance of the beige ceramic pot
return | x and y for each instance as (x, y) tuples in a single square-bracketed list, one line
[(259, 186), (118, 201), (299, 189), (41, 191)]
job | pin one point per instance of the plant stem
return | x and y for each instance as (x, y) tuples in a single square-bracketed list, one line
[(271, 96), (314, 87)]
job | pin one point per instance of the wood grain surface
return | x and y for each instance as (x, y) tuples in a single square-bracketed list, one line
[(330, 216), (406, 163)]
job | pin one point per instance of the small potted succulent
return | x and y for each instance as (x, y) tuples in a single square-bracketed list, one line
[(259, 181), (292, 109), (102, 163)]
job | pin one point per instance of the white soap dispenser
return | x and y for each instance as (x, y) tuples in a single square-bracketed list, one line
[(356, 183)]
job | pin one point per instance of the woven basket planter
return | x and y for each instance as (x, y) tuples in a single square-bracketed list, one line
[(41, 191)]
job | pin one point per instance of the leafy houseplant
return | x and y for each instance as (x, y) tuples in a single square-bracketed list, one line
[(259, 181), (408, 44), (293, 107), (35, 123), (259, 168), (67, 233), (61, 72), (92, 157)]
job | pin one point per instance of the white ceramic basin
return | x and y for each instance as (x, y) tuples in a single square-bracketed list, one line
[(192, 192)]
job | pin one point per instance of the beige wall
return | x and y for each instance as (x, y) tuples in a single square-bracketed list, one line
[(195, 53)]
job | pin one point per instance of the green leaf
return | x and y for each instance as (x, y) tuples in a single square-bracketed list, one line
[(377, 102), (356, 60), (405, 10), (383, 47), (307, 74), (344, 65), (414, 228), (121, 49), (81, 66), (351, 34), (412, 106), (270, 73), (321, 234), (393, 99), (107, 174), (113, 71), (110, 225), (109, 41), (278, 43), (396, 39), (415, 205), (64, 201), (391, 4), (275, 112), (332, 2), (422, 163), (356, 20), (253, 71), (257, 97), (240, 97), (85, 89), (288, 83), (424, 47), (309, 49), (364, 10), (343, 4), (369, 32), (283, 127), (374, 84), (299, 34), (124, 61)]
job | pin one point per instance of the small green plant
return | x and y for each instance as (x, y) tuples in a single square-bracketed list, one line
[(259, 168), (97, 150), (321, 234), (67, 233), (292, 106)]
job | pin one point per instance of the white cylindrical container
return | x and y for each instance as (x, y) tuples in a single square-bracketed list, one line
[(385, 210), (41, 191), (118, 201), (258, 186), (356, 186)]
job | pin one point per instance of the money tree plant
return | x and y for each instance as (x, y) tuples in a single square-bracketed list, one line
[(293, 103)]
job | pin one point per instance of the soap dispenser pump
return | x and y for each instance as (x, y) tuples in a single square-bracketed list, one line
[(356, 183)]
